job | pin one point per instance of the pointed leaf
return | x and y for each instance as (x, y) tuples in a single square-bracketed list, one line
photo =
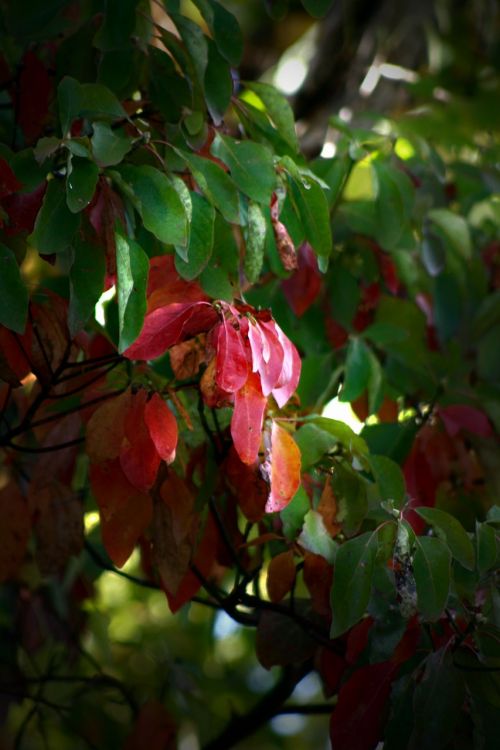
[(280, 576), (86, 282), (218, 83), (357, 370), (231, 361), (162, 427), (431, 568), (81, 183), (352, 580), (389, 478), (201, 239), (55, 225), (311, 205), (139, 458), (283, 469), (13, 293), (278, 109), (453, 533), (248, 416), (216, 185), (251, 166), (132, 268)]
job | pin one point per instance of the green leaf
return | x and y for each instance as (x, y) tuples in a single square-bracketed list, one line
[(68, 100), (350, 492), (310, 202), (81, 183), (215, 282), (431, 568), (352, 579), (160, 207), (358, 368), (218, 84), (316, 8), (86, 282), (216, 185), (132, 266), (486, 547), (13, 293), (437, 702), (201, 239), (55, 225), (168, 88), (251, 166), (292, 516), (90, 100), (117, 26), (454, 229), (225, 29), (109, 146), (452, 532), (278, 109), (344, 295), (393, 203), (255, 242), (341, 432), (389, 478), (316, 538), (313, 444)]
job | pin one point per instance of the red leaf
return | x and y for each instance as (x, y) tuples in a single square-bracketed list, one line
[(106, 428), (162, 427), (168, 325), (331, 667), (154, 729), (15, 529), (32, 96), (245, 482), (231, 359), (303, 286), (358, 718), (165, 286), (357, 640), (462, 417), (125, 511), (283, 469), (247, 419), (318, 577), (138, 455), (14, 362), (22, 209), (8, 180), (280, 576)]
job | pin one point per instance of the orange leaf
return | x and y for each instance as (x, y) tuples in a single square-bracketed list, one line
[(14, 530), (327, 508), (125, 511), (283, 469), (248, 416), (280, 576), (162, 427)]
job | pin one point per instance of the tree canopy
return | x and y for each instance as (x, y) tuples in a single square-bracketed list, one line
[(249, 375)]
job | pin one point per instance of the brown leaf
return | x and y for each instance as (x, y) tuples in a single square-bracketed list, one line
[(280, 576), (58, 527), (318, 576), (327, 508), (187, 357), (106, 428)]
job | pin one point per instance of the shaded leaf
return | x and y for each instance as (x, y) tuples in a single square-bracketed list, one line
[(86, 279), (13, 293), (280, 576), (162, 427), (452, 532), (352, 582), (389, 478), (431, 567), (14, 530), (55, 225), (248, 416)]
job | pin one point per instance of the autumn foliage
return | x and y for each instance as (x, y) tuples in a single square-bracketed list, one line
[(183, 294)]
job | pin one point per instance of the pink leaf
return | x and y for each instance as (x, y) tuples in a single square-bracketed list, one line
[(231, 360), (270, 368), (462, 417), (248, 415), (162, 427), (283, 468), (168, 325), (290, 371)]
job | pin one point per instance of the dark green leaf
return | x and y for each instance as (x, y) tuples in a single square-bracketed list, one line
[(69, 102), (486, 546), (312, 206), (433, 253), (168, 88), (341, 432), (454, 229), (438, 700), (81, 183), (55, 225), (201, 239), (13, 293), (452, 532), (350, 493), (393, 203), (352, 579), (117, 25), (278, 109), (218, 84), (389, 478), (216, 283), (313, 444), (345, 294), (86, 280), (431, 568), (317, 8), (161, 208), (251, 166), (109, 146), (132, 267), (358, 369), (225, 29), (216, 185)]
